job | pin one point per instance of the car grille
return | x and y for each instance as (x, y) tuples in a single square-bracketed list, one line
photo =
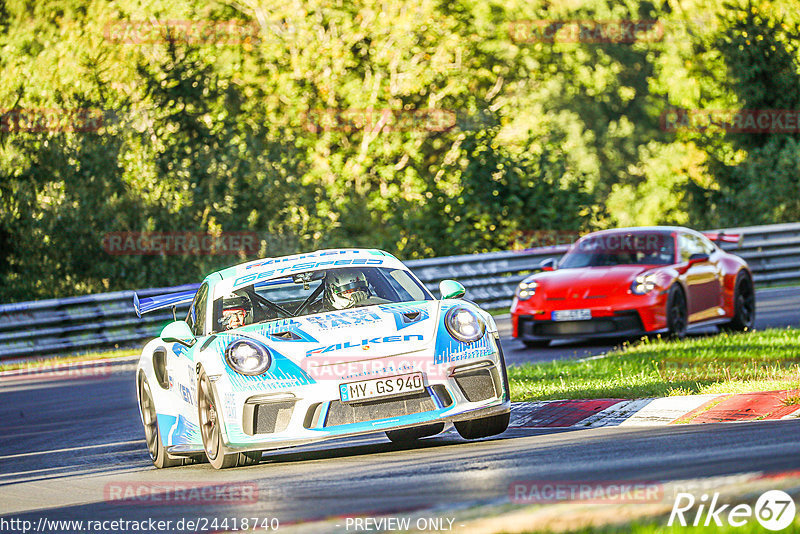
[(620, 322), (340, 413), (476, 385)]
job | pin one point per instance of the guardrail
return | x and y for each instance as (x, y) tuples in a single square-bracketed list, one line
[(107, 320)]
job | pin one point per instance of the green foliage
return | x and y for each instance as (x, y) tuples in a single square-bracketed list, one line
[(445, 133)]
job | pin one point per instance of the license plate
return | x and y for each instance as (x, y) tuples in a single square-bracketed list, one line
[(381, 387), (572, 315)]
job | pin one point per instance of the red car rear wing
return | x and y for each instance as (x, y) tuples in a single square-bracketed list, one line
[(722, 237)]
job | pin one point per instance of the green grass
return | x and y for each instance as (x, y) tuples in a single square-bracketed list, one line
[(751, 527), (727, 363), (81, 357)]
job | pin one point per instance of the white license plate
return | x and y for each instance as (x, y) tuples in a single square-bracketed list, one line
[(381, 387), (572, 315)]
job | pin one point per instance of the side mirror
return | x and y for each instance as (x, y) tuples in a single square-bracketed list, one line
[(548, 264), (450, 289), (178, 332), (698, 258)]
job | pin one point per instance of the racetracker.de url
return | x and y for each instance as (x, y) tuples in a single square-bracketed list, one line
[(195, 524)]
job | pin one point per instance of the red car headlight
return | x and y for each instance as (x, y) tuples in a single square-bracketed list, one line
[(645, 283), (526, 290)]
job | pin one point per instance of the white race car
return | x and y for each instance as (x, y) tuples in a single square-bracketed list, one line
[(286, 351)]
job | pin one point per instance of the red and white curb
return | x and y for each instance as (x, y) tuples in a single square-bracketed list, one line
[(767, 405)]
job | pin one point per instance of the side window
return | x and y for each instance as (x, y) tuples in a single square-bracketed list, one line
[(689, 245), (708, 246), (196, 318)]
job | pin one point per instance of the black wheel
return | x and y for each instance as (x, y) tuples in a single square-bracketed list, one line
[(538, 344), (677, 313), (147, 409), (406, 435), (744, 305), (483, 427), (211, 433)]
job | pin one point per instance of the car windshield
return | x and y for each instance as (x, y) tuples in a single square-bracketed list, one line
[(634, 248), (314, 292)]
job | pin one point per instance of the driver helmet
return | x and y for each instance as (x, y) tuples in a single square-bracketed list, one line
[(235, 309), (345, 288)]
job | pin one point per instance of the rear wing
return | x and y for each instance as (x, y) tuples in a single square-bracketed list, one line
[(157, 302), (722, 237)]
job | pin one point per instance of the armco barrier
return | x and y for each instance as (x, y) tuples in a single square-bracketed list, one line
[(31, 329)]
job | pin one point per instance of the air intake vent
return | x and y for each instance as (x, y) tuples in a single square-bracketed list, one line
[(340, 413), (476, 385), (267, 418)]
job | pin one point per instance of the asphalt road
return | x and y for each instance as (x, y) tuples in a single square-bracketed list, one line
[(775, 308), (69, 446)]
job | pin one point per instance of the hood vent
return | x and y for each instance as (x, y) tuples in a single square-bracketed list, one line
[(411, 317), (285, 336)]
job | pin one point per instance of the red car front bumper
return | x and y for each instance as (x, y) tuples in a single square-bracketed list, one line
[(622, 316)]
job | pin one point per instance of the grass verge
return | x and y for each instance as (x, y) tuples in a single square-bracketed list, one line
[(764, 360)]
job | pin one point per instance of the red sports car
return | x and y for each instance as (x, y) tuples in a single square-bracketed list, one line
[(635, 281)]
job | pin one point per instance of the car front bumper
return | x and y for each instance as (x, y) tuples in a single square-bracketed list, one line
[(627, 317), (311, 413)]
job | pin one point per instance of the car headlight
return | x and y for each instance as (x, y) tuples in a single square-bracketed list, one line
[(464, 324), (526, 290), (248, 357), (645, 283)]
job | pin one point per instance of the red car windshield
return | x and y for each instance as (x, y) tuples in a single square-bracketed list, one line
[(618, 248)]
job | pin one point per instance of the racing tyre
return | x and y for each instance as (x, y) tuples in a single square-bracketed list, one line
[(147, 409), (677, 314), (483, 427), (211, 433), (538, 344), (406, 435), (744, 305)]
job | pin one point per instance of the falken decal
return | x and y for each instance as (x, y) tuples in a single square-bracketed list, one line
[(363, 343)]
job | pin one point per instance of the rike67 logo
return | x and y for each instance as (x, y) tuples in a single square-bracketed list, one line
[(774, 510)]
